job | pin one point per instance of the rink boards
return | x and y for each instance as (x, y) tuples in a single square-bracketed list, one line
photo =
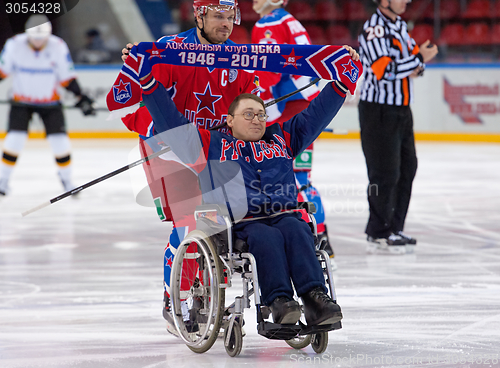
[(452, 102)]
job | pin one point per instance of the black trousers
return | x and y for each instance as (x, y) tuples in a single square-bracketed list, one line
[(388, 144), (52, 117)]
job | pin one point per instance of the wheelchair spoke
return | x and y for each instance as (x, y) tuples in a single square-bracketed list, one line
[(196, 275)]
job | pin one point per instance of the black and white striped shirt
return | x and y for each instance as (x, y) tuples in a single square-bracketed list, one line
[(389, 57)]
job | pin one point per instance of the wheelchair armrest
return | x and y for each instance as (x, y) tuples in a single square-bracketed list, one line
[(240, 246), (206, 216), (221, 210), (308, 206), (217, 232)]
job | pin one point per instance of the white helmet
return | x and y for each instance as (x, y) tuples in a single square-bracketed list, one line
[(38, 28), (200, 7)]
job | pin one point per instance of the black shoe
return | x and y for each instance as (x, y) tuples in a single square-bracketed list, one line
[(285, 311), (320, 309), (407, 238), (324, 243)]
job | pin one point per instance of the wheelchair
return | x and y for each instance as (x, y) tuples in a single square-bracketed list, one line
[(202, 270)]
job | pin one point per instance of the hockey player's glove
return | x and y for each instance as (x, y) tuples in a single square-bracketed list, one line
[(86, 105), (139, 59)]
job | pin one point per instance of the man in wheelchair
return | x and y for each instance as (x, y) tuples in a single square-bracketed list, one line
[(281, 242)]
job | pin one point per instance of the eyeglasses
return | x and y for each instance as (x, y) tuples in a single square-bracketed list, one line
[(248, 115)]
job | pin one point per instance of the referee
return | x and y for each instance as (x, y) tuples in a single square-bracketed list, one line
[(391, 59)]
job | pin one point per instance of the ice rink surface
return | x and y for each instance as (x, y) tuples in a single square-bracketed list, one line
[(81, 280)]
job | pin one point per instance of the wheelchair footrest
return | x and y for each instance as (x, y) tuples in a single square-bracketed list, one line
[(308, 330), (276, 331)]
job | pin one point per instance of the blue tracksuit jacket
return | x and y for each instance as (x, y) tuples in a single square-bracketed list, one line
[(252, 178)]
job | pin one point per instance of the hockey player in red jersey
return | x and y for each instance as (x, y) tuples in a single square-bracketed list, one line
[(204, 96), (278, 26)]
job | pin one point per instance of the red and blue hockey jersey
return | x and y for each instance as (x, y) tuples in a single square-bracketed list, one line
[(262, 168), (280, 27), (203, 95)]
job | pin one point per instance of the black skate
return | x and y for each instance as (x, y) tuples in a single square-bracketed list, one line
[(324, 244), (167, 315), (410, 242), (68, 186), (4, 188), (394, 244), (191, 324)]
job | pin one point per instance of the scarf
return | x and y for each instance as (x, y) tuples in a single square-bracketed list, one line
[(326, 62)]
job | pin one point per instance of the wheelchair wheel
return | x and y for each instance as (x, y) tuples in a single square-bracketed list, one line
[(319, 342), (197, 300), (235, 340), (299, 342)]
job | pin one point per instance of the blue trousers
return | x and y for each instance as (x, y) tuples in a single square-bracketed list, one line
[(283, 247)]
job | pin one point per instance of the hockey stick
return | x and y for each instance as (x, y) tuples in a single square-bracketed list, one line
[(145, 159), (278, 100), (14, 103), (114, 173), (95, 181)]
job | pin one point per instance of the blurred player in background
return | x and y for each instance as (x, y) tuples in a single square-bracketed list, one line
[(204, 96), (391, 59), (278, 26), (39, 63)]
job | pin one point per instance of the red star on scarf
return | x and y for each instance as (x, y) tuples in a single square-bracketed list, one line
[(178, 39), (155, 52), (122, 87), (291, 59), (348, 67), (169, 261), (207, 100)]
